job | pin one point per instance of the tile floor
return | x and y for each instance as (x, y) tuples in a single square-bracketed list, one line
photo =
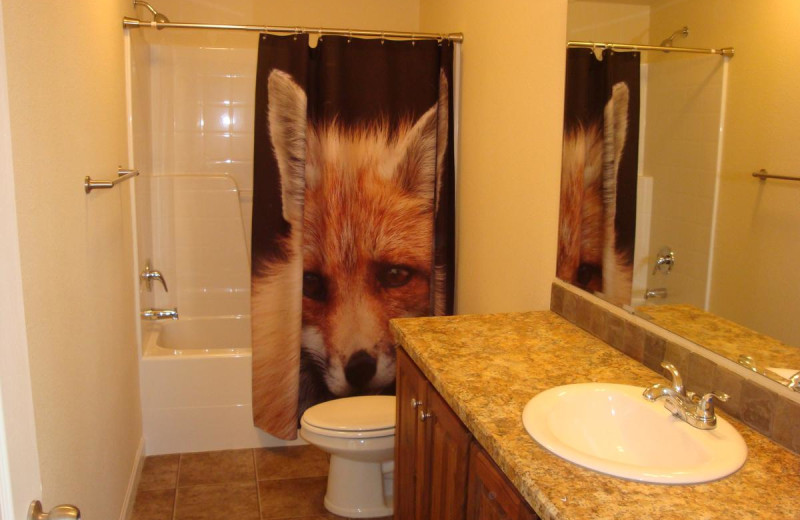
[(260, 484)]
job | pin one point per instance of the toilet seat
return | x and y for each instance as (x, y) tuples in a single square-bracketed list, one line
[(361, 417)]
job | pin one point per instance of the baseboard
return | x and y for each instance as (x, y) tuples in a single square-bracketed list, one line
[(133, 482)]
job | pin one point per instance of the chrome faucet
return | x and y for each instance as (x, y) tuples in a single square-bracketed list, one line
[(660, 292), (665, 260), (792, 382), (148, 275), (697, 411), (160, 314)]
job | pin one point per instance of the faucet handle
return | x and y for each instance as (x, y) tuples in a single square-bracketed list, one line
[(149, 274), (705, 408), (677, 380)]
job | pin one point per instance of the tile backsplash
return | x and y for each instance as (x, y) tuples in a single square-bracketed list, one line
[(766, 411)]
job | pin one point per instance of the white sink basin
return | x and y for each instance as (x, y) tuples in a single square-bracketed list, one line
[(612, 429)]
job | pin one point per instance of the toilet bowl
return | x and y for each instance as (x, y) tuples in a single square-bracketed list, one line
[(358, 432)]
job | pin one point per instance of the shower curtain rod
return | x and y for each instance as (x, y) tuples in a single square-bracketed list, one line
[(128, 22), (725, 51)]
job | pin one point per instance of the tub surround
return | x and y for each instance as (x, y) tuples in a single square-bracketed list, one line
[(487, 367), (755, 400)]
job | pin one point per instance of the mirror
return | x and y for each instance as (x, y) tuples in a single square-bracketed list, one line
[(716, 249)]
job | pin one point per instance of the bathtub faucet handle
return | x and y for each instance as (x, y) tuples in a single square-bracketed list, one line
[(148, 275)]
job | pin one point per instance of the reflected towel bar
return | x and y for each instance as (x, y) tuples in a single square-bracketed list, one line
[(763, 175), (89, 184)]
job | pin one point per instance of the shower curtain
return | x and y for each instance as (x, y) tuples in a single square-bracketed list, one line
[(597, 220), (353, 214)]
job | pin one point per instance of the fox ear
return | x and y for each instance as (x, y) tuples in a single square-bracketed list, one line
[(422, 150), (616, 120), (287, 128)]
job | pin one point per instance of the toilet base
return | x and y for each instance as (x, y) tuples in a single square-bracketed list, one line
[(356, 482)]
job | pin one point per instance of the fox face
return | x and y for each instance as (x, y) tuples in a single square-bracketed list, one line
[(363, 199), (587, 247)]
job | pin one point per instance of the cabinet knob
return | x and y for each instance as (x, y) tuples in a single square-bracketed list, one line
[(424, 416), (415, 403)]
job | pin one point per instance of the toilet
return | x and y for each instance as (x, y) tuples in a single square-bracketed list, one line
[(358, 432)]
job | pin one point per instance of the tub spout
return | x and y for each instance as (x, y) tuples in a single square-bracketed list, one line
[(160, 314)]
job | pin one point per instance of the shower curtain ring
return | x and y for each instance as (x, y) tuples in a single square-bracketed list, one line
[(319, 31), (349, 36), (383, 37), (296, 32), (412, 40)]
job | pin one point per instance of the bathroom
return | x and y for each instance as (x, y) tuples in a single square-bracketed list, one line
[(69, 262)]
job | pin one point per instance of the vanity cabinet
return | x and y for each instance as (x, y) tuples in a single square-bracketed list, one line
[(441, 473), (490, 496), (431, 451)]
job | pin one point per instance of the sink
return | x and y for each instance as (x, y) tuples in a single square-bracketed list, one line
[(612, 429)]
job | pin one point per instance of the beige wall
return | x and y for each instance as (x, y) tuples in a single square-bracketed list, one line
[(755, 275), (358, 14), (598, 21), (67, 106), (510, 151)]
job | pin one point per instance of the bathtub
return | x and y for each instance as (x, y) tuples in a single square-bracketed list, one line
[(196, 379), (209, 336)]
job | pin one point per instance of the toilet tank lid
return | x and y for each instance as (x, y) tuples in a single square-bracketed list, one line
[(362, 413)]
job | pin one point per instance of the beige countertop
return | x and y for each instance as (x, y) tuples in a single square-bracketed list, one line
[(722, 336), (487, 367)]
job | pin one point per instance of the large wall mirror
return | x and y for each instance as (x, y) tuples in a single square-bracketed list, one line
[(716, 255)]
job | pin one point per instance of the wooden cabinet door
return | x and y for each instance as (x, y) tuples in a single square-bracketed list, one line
[(490, 494), (448, 441), (410, 465)]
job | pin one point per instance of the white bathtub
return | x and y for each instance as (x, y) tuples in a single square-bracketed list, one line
[(202, 336), (196, 379)]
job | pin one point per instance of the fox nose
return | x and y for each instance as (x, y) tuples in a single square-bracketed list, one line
[(360, 369)]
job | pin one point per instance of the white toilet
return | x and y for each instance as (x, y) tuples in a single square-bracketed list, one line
[(358, 432)]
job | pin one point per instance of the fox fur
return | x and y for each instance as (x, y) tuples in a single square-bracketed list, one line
[(587, 248), (360, 201)]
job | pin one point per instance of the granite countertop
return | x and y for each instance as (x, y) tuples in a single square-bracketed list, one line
[(722, 336), (487, 367)]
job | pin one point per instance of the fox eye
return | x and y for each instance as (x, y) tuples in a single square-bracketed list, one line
[(391, 276), (314, 286)]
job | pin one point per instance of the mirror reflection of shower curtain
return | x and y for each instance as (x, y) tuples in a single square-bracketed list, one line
[(353, 214), (597, 220)]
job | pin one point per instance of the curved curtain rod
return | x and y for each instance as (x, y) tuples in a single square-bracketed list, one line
[(725, 51), (128, 22)]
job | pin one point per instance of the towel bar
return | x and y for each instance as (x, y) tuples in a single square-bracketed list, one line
[(763, 175), (123, 174)]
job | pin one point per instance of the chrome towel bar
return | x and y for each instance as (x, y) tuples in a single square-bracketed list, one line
[(123, 174), (763, 175)]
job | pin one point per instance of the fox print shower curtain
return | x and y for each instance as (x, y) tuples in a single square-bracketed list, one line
[(353, 215), (597, 221)]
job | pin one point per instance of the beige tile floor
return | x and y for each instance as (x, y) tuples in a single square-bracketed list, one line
[(260, 484)]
